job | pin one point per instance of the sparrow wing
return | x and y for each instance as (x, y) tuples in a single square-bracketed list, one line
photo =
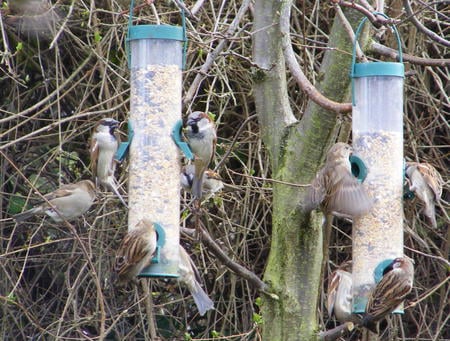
[(63, 191), (347, 196), (317, 191), (210, 174), (187, 260), (133, 249), (333, 284), (432, 178), (387, 295), (94, 149)]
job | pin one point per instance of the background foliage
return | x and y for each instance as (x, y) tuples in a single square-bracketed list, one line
[(64, 67)]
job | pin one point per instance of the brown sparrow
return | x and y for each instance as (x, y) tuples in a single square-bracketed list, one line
[(335, 189), (135, 252), (70, 201), (104, 143), (201, 135), (396, 283), (339, 301), (211, 180), (190, 276), (426, 183)]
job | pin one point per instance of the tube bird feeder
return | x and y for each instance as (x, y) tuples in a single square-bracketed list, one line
[(156, 61), (377, 128)]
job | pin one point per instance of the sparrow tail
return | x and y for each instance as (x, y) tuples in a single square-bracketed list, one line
[(430, 212), (368, 322), (201, 299), (197, 184), (25, 215), (113, 187)]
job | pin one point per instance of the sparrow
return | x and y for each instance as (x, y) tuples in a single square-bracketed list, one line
[(190, 276), (426, 183), (335, 189), (211, 180), (339, 301), (135, 252), (390, 292), (70, 202), (104, 144), (201, 135)]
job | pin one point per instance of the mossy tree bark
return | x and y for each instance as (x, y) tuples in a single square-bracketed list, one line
[(297, 147)]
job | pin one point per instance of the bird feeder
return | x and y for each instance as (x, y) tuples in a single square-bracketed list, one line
[(156, 54), (377, 128)]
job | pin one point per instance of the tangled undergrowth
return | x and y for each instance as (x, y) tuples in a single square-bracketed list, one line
[(65, 67)]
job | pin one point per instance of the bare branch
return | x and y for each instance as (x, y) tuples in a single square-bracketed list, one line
[(388, 52), (376, 20), (432, 35), (241, 271), (335, 333), (213, 55), (306, 85)]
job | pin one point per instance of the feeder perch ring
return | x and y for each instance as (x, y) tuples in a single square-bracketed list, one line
[(177, 138), (359, 169), (124, 147)]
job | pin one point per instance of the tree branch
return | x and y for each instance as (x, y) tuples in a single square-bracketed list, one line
[(306, 85), (432, 35), (335, 333), (213, 54), (241, 271), (376, 20), (388, 52)]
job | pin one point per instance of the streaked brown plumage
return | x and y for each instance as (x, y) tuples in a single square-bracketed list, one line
[(339, 293), (390, 292), (201, 136), (335, 189), (135, 251), (427, 184), (190, 276), (211, 180), (70, 200), (104, 144)]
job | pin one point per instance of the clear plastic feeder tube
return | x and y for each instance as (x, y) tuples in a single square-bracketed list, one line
[(377, 126), (154, 186)]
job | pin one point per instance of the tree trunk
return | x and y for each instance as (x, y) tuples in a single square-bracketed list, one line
[(297, 149)]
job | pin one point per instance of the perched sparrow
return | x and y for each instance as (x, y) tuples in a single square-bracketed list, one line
[(135, 251), (201, 135), (396, 283), (190, 276), (104, 144), (335, 189), (211, 180), (426, 183), (339, 302), (70, 201)]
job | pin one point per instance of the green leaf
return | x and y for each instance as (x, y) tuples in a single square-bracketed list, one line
[(97, 36), (258, 302), (257, 318), (19, 46), (15, 204), (212, 116)]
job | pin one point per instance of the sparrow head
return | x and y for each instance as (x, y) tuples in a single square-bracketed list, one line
[(88, 185), (187, 177), (107, 124), (404, 263), (197, 119), (339, 151)]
